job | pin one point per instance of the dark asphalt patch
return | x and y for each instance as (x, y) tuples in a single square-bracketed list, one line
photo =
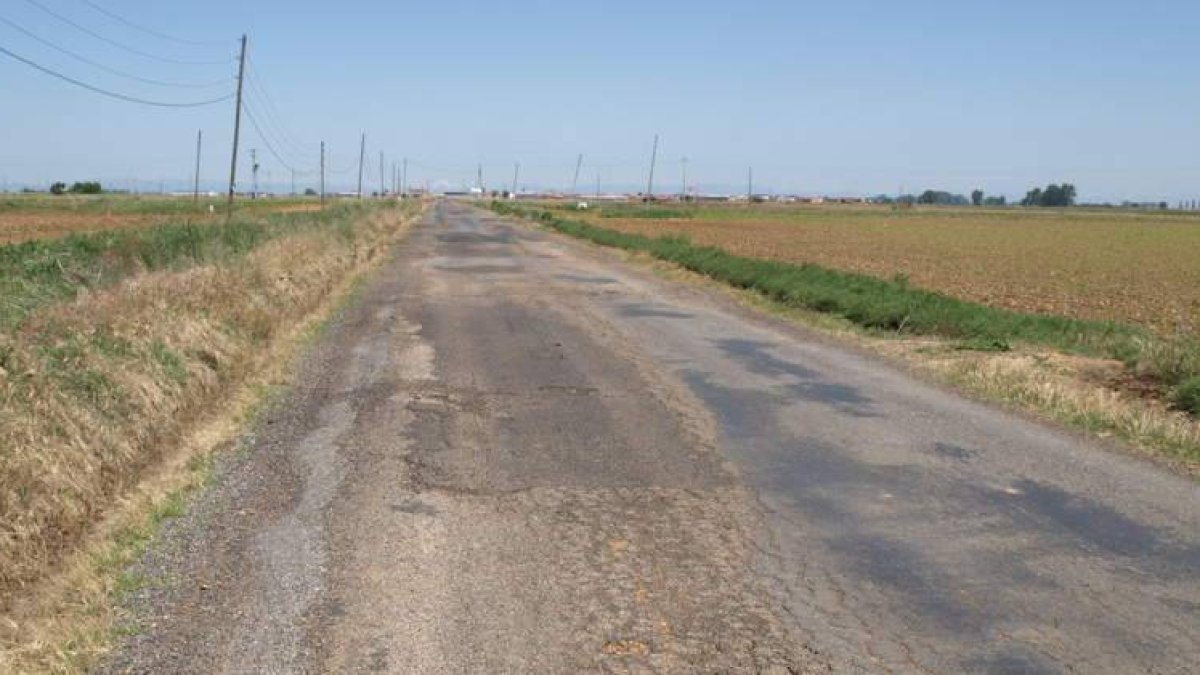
[(755, 357), (951, 451), (579, 278), (647, 311), (1099, 527)]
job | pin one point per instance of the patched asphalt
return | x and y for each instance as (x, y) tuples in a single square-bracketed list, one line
[(516, 453)]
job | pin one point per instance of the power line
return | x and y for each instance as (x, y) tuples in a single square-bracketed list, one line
[(150, 31), (288, 147), (271, 115), (101, 66), (119, 45), (267, 142), (112, 94)]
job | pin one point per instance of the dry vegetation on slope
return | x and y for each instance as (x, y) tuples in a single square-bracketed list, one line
[(139, 335)]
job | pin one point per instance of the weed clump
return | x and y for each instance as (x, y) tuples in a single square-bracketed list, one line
[(1186, 396)]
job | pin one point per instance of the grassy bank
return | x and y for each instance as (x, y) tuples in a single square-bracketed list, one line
[(111, 344), (1172, 365)]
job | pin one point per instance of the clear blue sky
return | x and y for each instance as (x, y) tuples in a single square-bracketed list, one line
[(820, 97)]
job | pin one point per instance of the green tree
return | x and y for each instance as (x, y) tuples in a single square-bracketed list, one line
[(977, 197), (87, 188), (1053, 195), (58, 188), (941, 197)]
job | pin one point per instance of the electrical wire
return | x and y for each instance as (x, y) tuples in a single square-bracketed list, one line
[(287, 147), (150, 31), (271, 116), (83, 59), (270, 146), (266, 142), (119, 45), (112, 94)]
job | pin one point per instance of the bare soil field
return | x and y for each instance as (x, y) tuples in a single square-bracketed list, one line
[(1134, 267)]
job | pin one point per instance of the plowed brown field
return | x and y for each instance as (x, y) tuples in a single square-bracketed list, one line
[(1139, 267)]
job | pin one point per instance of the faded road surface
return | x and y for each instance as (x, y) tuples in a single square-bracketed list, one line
[(515, 454)]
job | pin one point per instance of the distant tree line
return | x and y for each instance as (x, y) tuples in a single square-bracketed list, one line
[(1053, 195), (942, 198), (84, 188)]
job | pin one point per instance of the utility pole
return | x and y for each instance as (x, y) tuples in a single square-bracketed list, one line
[(479, 179), (237, 128), (683, 185), (750, 185), (597, 185), (254, 171), (362, 155), (575, 182), (395, 179), (404, 179), (516, 173), (382, 184), (653, 159), (196, 183), (322, 174)]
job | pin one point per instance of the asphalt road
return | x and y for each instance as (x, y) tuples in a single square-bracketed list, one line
[(515, 453)]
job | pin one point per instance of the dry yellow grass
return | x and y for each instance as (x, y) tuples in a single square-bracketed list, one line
[(1136, 267), (137, 365)]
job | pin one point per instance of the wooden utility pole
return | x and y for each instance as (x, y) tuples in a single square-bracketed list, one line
[(382, 184), (254, 172), (683, 184), (479, 179), (516, 173), (750, 185), (653, 159), (575, 182), (404, 179), (322, 174), (362, 155), (196, 182), (237, 128)]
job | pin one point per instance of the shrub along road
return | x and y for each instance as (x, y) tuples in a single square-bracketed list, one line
[(515, 453)]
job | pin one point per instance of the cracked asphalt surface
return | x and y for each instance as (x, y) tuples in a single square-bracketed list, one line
[(516, 453)]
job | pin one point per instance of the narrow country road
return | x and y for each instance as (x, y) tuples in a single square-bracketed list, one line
[(517, 454)]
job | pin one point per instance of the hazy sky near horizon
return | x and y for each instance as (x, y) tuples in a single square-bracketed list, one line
[(855, 97)]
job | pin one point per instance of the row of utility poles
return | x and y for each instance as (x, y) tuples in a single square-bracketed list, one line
[(399, 175), (398, 182), (649, 181)]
